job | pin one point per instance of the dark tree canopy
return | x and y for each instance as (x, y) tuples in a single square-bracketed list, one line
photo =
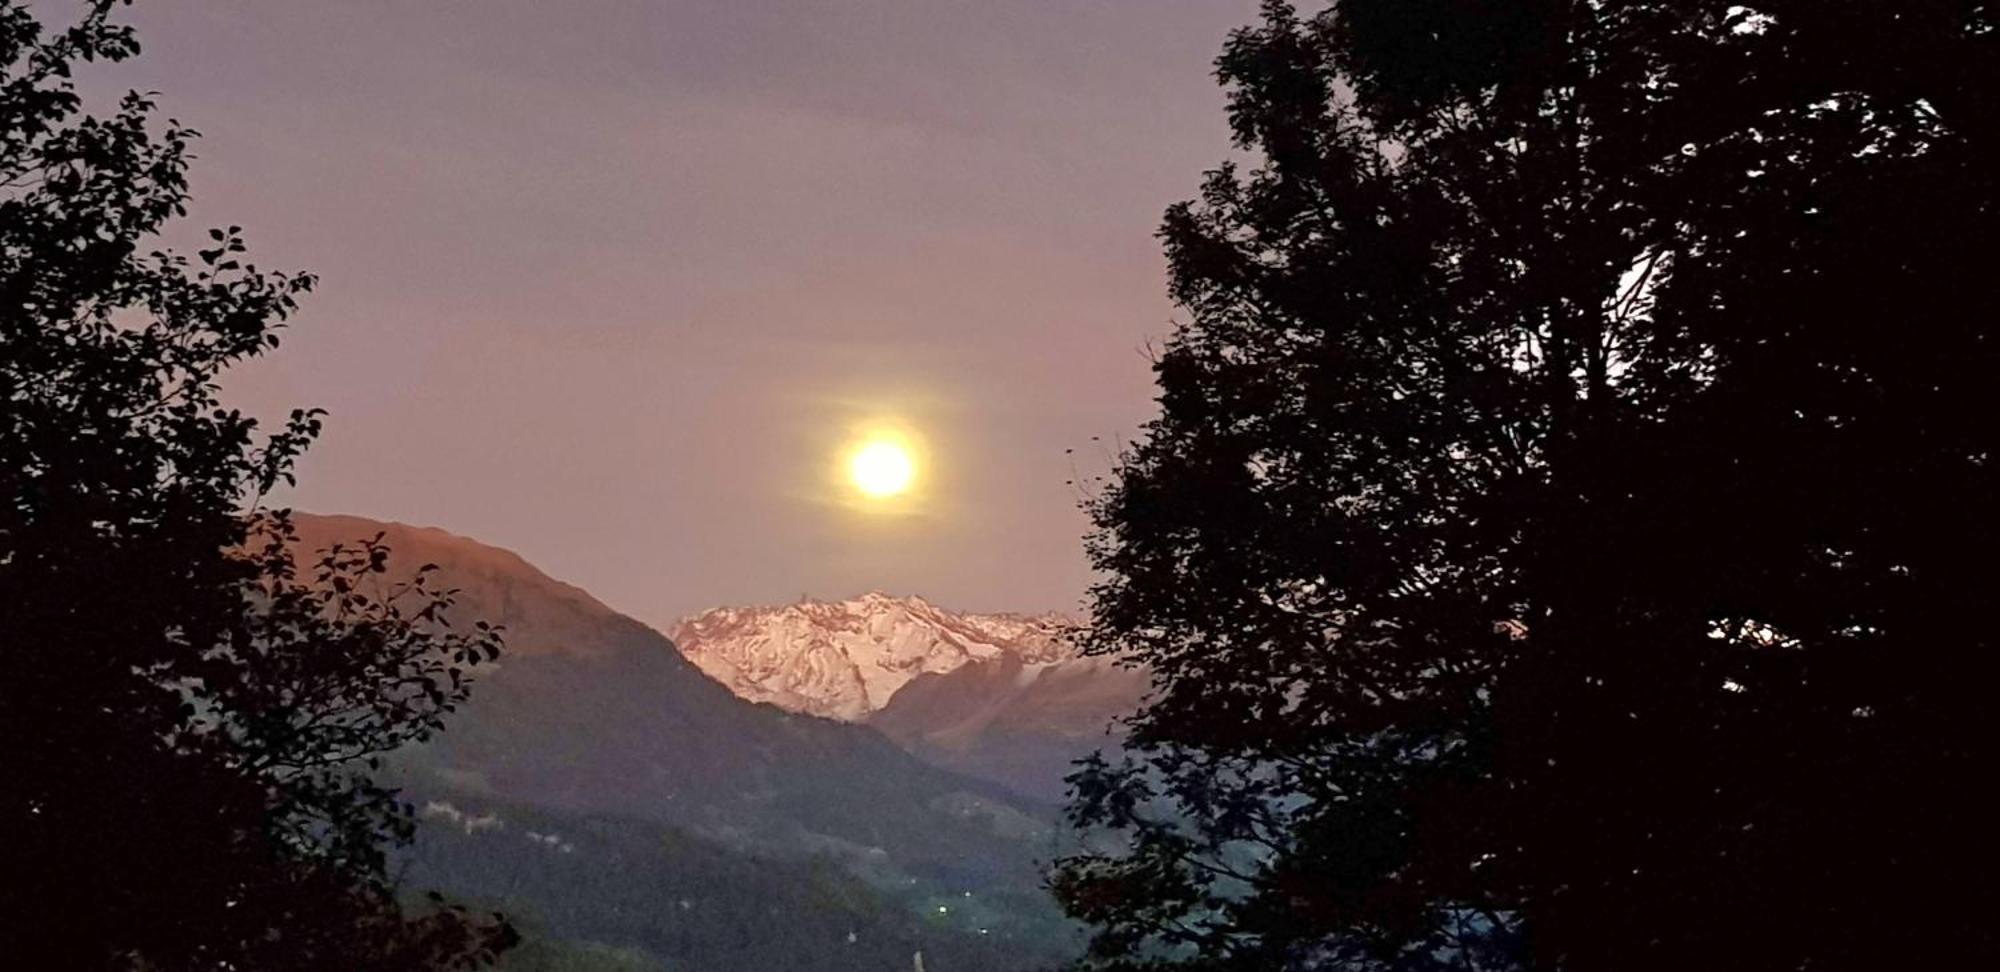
[(1565, 540), (189, 723)]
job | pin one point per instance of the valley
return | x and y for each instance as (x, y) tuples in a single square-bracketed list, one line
[(629, 810)]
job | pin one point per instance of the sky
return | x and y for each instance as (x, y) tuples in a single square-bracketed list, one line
[(614, 283)]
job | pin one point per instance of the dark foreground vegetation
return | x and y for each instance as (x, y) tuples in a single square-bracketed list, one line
[(1566, 539), (190, 716), (1565, 543)]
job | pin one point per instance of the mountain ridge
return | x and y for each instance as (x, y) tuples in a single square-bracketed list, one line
[(590, 715), (1002, 697), (847, 659)]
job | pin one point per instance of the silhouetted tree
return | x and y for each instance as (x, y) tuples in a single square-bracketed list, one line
[(1566, 538), (188, 724)]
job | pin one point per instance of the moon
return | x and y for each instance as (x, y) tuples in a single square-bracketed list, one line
[(882, 469)]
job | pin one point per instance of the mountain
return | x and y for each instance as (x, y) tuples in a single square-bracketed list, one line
[(846, 659), (1018, 724), (603, 892), (1004, 697), (592, 723)]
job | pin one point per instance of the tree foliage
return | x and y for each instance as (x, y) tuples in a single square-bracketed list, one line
[(189, 723), (1565, 538)]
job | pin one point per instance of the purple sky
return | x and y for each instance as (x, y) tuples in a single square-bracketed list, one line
[(607, 282)]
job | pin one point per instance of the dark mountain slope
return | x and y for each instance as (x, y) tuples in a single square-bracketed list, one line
[(600, 892), (591, 713), (1019, 725)]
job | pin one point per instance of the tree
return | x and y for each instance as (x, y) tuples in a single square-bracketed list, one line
[(1564, 539), (189, 723)]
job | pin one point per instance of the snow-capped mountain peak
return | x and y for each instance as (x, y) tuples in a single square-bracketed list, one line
[(844, 659)]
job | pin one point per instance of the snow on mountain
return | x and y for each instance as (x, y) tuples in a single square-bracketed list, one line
[(593, 732), (845, 659)]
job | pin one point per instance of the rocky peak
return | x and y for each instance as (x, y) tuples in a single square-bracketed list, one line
[(845, 659)]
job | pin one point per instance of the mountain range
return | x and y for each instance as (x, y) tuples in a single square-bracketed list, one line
[(1002, 697), (796, 842), (847, 659), (878, 782)]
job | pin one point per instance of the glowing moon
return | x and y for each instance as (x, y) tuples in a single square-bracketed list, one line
[(882, 469)]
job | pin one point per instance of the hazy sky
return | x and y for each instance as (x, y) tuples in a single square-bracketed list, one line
[(608, 283)]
